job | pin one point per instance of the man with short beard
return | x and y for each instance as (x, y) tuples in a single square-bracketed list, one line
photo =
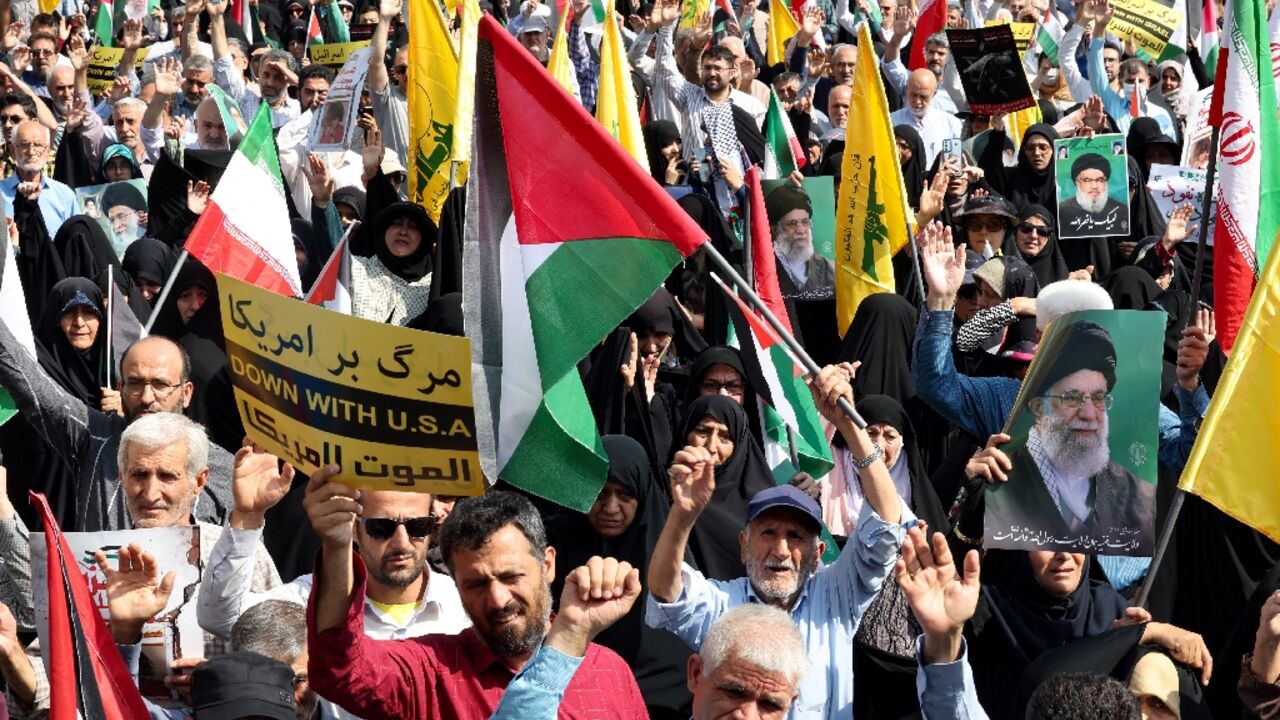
[(806, 273), (781, 550), (1092, 211), (405, 598), (497, 550), (278, 72), (32, 146), (1082, 492)]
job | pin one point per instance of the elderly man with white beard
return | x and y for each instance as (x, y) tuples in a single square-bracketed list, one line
[(807, 274), (1081, 492), (1092, 210)]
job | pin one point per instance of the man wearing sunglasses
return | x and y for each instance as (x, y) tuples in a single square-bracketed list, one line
[(405, 598), (1083, 493)]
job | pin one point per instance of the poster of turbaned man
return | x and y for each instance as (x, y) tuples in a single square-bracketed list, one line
[(1085, 441), (119, 207), (1093, 186)]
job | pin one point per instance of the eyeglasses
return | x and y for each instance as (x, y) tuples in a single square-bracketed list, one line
[(1040, 230), (31, 147), (162, 389), (716, 69), (995, 225), (797, 224), (41, 53), (384, 528), (712, 387), (1074, 400), (12, 119)]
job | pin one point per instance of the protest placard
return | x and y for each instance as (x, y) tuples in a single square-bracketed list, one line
[(333, 125), (1093, 186), (335, 55), (1173, 186), (390, 406), (822, 196), (174, 633), (1147, 23), (1196, 149), (1084, 440), (101, 71), (1022, 32), (119, 207), (990, 69)]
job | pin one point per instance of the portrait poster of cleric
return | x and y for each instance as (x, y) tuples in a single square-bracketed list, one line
[(1084, 440), (1093, 186)]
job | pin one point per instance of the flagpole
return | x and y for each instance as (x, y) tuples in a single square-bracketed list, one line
[(110, 312), (749, 294), (915, 261), (164, 292), (1180, 495)]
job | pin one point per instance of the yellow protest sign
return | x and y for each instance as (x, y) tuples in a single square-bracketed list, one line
[(1022, 33), (1145, 22), (334, 54), (390, 406), (102, 67)]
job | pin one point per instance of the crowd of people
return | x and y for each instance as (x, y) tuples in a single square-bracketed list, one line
[(703, 582)]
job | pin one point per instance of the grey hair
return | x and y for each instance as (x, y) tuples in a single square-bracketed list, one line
[(197, 63), (762, 636), (838, 47), (238, 43), (178, 12), (162, 429), (283, 56), (132, 102), (939, 38), (275, 628)]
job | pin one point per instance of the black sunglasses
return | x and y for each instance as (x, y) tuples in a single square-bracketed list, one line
[(1042, 230), (384, 528)]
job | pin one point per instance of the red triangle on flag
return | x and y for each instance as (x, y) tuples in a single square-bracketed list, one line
[(554, 144), (763, 261)]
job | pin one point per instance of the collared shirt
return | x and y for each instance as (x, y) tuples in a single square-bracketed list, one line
[(231, 79), (1116, 104), (935, 127), (946, 690), (828, 612), (446, 676), (536, 691), (899, 75), (57, 202), (225, 595)]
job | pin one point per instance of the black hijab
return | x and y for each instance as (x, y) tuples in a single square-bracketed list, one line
[(442, 316), (714, 540), (79, 373), (924, 500), (880, 336), (657, 135), (148, 259), (715, 355), (656, 657), (1131, 288), (1145, 218), (1029, 186), (415, 266), (86, 252), (1048, 265), (661, 314), (913, 169)]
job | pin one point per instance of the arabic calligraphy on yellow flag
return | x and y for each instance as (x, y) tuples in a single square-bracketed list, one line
[(390, 406), (1232, 464), (616, 100), (871, 215), (432, 90)]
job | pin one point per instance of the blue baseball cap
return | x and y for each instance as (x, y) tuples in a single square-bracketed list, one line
[(784, 496)]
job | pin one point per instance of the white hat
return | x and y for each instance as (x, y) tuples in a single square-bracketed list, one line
[(1068, 296)]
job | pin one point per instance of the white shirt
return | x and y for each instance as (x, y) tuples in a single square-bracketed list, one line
[(935, 127), (225, 595)]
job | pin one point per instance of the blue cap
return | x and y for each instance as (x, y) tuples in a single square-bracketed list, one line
[(784, 496)]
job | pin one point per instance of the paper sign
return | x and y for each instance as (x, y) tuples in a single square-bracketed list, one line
[(1147, 23), (990, 69), (1172, 186), (333, 125), (334, 55), (1093, 186)]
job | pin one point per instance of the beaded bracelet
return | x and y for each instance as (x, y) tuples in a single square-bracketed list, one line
[(865, 463)]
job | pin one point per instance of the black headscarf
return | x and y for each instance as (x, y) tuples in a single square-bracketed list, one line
[(880, 336), (304, 235), (657, 135), (715, 355), (1131, 288), (1048, 265), (660, 313), (714, 540), (1145, 218), (657, 657), (913, 169), (148, 259), (79, 373), (924, 501), (416, 265), (1028, 186), (441, 316), (86, 252)]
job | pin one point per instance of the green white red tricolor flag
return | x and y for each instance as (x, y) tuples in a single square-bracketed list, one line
[(557, 255), (783, 154)]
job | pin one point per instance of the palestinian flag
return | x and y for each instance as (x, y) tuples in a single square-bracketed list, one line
[(557, 254), (13, 312), (1048, 34), (783, 154), (245, 230), (103, 22), (332, 288), (87, 677), (314, 35), (1209, 36)]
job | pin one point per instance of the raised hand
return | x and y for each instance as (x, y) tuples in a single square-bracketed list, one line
[(332, 508), (176, 130), (1193, 349), (78, 53), (110, 402), (257, 484), (1177, 230), (1265, 664), (941, 600), (372, 152), (76, 114), (702, 30), (194, 8), (1183, 646), (942, 263), (811, 23), (197, 196), (132, 37), (20, 59), (990, 463), (215, 10), (12, 35), (389, 9), (670, 11), (596, 595), (932, 197), (832, 383), (318, 178), (120, 89), (135, 592), (693, 480), (168, 77)]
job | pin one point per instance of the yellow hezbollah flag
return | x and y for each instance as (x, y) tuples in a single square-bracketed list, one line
[(692, 11), (616, 100), (1017, 123), (1236, 453), (782, 27), (871, 216), (464, 107), (558, 64), (433, 77)]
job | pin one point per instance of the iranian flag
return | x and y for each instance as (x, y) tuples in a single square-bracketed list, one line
[(332, 288), (782, 152), (1275, 48), (932, 19), (557, 254), (245, 230), (1244, 109)]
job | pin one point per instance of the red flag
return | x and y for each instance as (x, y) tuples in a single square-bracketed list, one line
[(933, 19), (1135, 104), (87, 676), (763, 263)]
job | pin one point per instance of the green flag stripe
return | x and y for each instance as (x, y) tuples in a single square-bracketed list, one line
[(585, 289), (560, 456)]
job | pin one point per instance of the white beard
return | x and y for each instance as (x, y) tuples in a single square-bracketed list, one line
[(1091, 205), (795, 251), (1070, 452)]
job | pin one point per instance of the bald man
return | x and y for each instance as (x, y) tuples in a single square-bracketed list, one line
[(838, 101), (211, 133), (748, 80), (919, 113), (32, 146)]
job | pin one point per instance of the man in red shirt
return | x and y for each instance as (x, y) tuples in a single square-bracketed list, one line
[(497, 551)]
